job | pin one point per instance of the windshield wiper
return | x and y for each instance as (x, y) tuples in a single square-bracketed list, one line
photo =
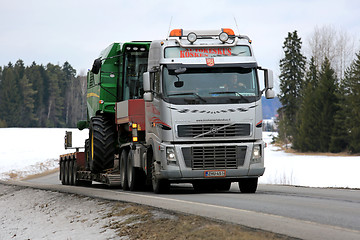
[(189, 93), (232, 92)]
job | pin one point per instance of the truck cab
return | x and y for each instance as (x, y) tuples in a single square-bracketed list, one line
[(203, 110)]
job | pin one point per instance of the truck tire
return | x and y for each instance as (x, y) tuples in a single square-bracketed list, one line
[(62, 172), (66, 173), (248, 185), (102, 144), (136, 179), (159, 185), (73, 176), (123, 169)]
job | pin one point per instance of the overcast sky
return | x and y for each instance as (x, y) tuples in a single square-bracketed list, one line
[(77, 30)]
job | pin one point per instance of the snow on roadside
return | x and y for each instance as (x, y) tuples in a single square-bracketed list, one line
[(52, 215), (27, 151), (309, 170)]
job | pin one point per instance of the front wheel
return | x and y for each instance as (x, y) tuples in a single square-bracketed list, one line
[(159, 185), (248, 185)]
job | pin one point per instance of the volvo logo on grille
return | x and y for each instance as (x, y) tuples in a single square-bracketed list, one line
[(213, 130)]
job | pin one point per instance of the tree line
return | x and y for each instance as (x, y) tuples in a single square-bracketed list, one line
[(320, 96), (41, 96)]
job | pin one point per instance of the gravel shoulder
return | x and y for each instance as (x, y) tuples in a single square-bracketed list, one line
[(27, 213)]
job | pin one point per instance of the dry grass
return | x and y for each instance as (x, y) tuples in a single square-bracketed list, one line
[(282, 147), (142, 224), (40, 174)]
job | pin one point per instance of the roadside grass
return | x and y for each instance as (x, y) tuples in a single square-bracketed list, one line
[(142, 222)]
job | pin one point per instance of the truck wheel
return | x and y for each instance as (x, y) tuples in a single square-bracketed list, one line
[(159, 185), (123, 169), (71, 166), (136, 179), (74, 180), (66, 172), (248, 185), (62, 172), (102, 144)]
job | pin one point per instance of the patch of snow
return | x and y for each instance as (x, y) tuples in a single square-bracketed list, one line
[(309, 170), (27, 151), (52, 215)]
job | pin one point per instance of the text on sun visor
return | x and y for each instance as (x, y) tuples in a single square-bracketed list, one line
[(176, 52)]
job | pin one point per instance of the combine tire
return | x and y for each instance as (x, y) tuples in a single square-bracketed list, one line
[(102, 144)]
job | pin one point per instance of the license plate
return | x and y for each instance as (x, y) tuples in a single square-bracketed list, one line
[(215, 173)]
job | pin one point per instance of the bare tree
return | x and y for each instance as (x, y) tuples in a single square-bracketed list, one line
[(336, 45)]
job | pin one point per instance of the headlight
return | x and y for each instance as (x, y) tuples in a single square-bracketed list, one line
[(257, 154), (170, 155)]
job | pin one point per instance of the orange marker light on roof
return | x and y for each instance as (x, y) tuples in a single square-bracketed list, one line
[(176, 33), (229, 31)]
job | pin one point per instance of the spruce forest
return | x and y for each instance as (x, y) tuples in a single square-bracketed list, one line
[(41, 96), (320, 96)]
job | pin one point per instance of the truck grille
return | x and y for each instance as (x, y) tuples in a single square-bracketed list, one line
[(213, 130), (214, 157)]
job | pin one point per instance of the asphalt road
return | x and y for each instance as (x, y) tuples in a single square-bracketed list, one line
[(305, 213)]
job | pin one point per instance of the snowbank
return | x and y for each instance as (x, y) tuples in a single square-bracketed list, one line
[(305, 170), (27, 151)]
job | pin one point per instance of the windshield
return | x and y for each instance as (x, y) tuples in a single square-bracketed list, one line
[(210, 85)]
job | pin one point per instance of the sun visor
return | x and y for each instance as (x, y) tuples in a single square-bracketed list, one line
[(228, 65)]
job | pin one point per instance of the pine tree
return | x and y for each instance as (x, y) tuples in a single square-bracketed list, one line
[(350, 104), (35, 74), (55, 104), (327, 100), (10, 98), (306, 138), (27, 102), (292, 68), (68, 90)]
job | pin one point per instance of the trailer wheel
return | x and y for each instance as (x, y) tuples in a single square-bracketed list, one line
[(136, 179), (62, 171), (123, 169), (73, 176), (159, 185), (102, 144), (66, 172), (248, 185)]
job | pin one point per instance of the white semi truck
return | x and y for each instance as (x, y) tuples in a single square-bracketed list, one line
[(194, 116)]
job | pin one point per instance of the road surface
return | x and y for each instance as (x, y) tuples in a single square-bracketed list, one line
[(305, 213)]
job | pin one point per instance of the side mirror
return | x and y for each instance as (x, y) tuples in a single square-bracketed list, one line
[(148, 96), (269, 94), (269, 82), (96, 66), (146, 82)]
